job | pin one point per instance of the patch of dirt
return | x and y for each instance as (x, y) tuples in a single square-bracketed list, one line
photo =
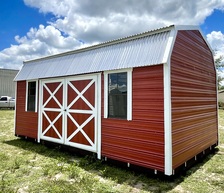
[(139, 185), (23, 189), (179, 189), (58, 176), (221, 145)]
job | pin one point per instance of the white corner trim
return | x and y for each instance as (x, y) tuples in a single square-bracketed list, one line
[(167, 120), (129, 91), (40, 112), (15, 111), (167, 103)]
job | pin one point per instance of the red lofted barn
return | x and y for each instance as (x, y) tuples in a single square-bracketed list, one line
[(149, 99)]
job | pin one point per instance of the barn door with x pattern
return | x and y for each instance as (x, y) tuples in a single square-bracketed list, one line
[(52, 110), (69, 111), (81, 113)]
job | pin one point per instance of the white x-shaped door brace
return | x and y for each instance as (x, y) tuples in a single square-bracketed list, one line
[(92, 112), (60, 106)]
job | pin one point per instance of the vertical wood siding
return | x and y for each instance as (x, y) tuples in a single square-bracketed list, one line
[(193, 93), (26, 122), (140, 141)]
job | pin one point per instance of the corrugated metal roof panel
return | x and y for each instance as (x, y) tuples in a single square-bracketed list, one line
[(126, 53)]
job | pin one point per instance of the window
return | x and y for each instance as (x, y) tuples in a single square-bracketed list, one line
[(3, 99), (31, 96), (118, 94)]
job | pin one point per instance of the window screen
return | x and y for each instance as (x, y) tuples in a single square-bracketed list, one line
[(31, 96), (117, 95)]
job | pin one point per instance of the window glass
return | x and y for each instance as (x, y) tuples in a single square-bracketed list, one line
[(3, 99), (117, 95), (31, 96)]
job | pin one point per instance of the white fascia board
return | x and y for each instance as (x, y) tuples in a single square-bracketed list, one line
[(169, 47), (186, 27), (194, 27)]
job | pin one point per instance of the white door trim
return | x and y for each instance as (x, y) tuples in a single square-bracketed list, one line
[(64, 109), (43, 109)]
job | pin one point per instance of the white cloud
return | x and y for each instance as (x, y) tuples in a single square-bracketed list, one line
[(37, 43), (56, 7), (100, 20), (216, 40), (91, 21)]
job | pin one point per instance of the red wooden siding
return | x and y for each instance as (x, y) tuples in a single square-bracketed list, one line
[(26, 122), (140, 141), (193, 93)]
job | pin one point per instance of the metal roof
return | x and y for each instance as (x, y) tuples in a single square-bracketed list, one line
[(144, 49)]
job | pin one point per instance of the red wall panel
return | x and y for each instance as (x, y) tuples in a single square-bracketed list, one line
[(26, 122), (140, 141), (194, 103)]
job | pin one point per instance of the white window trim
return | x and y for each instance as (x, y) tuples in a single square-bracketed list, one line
[(27, 82), (129, 92)]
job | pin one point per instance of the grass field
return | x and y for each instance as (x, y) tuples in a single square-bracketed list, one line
[(29, 167)]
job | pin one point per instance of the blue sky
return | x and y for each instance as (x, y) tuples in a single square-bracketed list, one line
[(214, 22), (35, 28), (16, 19)]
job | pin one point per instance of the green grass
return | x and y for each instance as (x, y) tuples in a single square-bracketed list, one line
[(221, 126), (30, 167)]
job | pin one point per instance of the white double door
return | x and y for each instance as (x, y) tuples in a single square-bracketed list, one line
[(70, 112)]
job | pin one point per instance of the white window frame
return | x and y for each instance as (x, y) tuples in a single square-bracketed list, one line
[(27, 83), (129, 91)]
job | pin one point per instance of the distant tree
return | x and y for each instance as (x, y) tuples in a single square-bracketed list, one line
[(219, 64)]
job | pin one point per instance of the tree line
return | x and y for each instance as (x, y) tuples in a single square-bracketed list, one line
[(219, 64)]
